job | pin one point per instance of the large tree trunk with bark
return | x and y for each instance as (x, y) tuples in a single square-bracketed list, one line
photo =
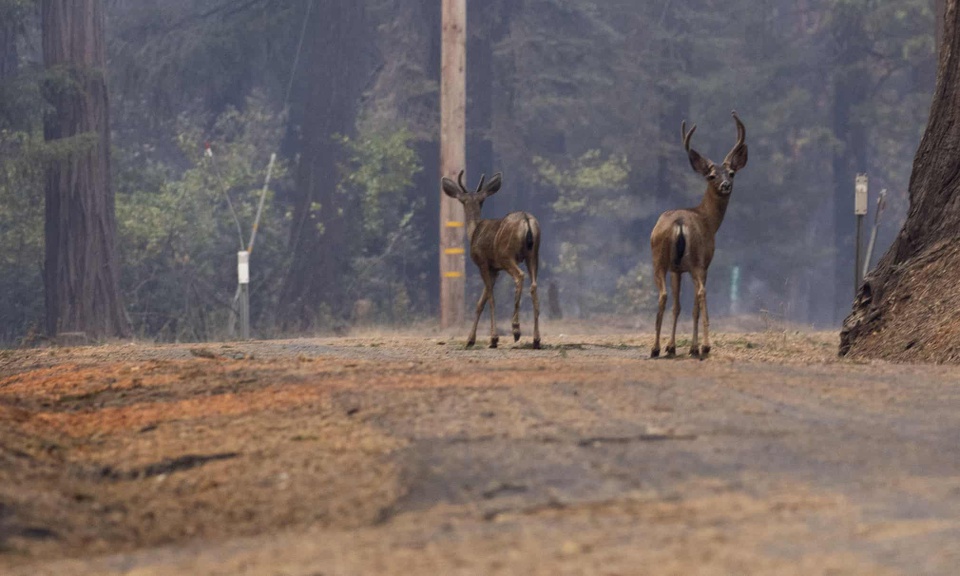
[(81, 273), (11, 26), (909, 307), (340, 66)]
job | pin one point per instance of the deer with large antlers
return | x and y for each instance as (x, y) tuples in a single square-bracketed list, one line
[(499, 245), (683, 240)]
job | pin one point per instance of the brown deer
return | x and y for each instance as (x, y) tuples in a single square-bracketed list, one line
[(683, 240), (499, 245)]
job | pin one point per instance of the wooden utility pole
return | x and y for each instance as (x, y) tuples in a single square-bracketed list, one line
[(453, 100)]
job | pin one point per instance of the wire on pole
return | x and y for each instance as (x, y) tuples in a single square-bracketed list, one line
[(263, 197), (226, 193)]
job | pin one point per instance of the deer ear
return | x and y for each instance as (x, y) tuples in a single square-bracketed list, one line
[(493, 186), (699, 164), (739, 158), (450, 188)]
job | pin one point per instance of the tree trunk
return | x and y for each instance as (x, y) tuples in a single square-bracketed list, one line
[(339, 67), (938, 8), (81, 274), (11, 23), (907, 308), (8, 45)]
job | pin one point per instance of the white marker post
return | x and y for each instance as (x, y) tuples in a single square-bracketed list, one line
[(243, 278), (860, 210), (243, 262)]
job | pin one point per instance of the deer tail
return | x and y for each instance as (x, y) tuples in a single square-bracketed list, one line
[(529, 233), (679, 242)]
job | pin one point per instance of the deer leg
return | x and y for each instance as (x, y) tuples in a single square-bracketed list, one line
[(694, 342), (472, 339), (532, 269), (487, 295), (675, 283), (661, 279), (700, 283), (494, 338), (518, 276)]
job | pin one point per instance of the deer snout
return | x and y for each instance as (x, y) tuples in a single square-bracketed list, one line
[(726, 186)]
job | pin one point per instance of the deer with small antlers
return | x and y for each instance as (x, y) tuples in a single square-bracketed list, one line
[(499, 245), (683, 240)]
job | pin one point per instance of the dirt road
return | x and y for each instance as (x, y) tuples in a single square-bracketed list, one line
[(410, 455)]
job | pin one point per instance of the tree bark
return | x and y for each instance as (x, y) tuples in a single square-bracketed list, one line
[(938, 9), (906, 308), (8, 45), (81, 274), (11, 22), (339, 68)]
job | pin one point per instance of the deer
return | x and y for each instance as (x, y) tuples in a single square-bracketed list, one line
[(499, 246), (684, 240)]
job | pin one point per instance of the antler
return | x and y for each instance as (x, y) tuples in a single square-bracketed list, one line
[(460, 181), (686, 135), (741, 135)]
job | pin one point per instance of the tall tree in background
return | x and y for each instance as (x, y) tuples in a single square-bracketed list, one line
[(339, 67), (81, 274), (8, 39), (13, 14), (906, 309)]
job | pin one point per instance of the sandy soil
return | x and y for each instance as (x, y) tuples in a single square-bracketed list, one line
[(399, 454)]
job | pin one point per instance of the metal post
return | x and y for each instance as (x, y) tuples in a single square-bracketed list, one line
[(881, 204), (453, 88), (243, 279), (857, 278), (735, 290), (860, 210)]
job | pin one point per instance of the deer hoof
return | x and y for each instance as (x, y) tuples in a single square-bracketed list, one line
[(471, 342), (494, 341), (704, 351), (516, 336), (655, 353), (536, 344), (695, 351), (671, 351)]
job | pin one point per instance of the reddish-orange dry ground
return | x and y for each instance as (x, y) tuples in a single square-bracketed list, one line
[(410, 455)]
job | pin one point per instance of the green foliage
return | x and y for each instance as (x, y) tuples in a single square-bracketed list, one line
[(21, 233), (591, 206), (590, 186), (179, 238), (381, 167), (379, 176)]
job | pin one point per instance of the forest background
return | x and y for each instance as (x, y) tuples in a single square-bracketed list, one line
[(578, 102)]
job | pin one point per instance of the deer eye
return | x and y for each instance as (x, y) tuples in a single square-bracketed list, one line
[(732, 173)]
